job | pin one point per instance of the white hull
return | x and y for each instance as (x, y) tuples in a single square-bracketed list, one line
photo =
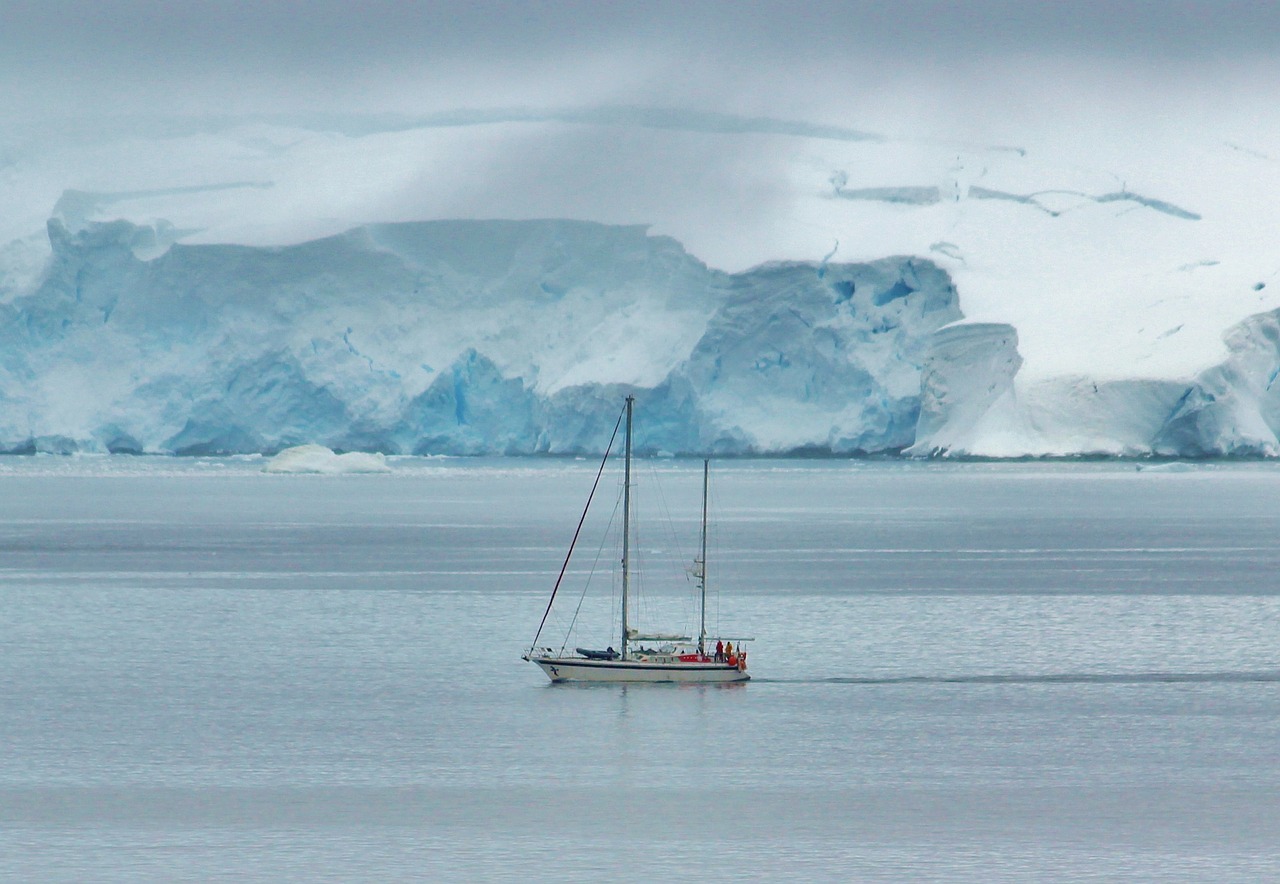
[(579, 669)]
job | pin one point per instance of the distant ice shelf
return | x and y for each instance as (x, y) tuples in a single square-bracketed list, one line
[(520, 337), (458, 337)]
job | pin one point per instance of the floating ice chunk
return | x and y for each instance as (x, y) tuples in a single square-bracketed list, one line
[(1177, 466), (318, 459)]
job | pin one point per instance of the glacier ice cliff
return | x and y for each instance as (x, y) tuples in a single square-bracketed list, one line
[(973, 404), (1232, 408), (458, 337), (967, 383), (1107, 275), (520, 337)]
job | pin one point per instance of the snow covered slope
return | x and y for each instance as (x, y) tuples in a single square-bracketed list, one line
[(1110, 262), (459, 337)]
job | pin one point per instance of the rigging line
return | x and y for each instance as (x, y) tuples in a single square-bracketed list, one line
[(713, 505), (636, 561), (578, 530), (590, 574), (672, 536), (675, 565)]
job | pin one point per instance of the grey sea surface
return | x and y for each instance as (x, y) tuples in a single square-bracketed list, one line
[(1032, 671)]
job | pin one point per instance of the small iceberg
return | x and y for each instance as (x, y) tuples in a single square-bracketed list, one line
[(1177, 466), (318, 459)]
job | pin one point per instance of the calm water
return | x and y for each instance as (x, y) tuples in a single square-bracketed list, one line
[(976, 672)]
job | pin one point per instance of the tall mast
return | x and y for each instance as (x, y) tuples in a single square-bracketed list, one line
[(702, 563), (626, 528)]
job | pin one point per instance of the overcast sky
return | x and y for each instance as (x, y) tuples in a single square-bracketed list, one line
[(815, 59), (612, 104)]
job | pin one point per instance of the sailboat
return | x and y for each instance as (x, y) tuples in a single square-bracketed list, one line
[(676, 658)]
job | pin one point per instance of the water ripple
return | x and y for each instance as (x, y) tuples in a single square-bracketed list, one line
[(1047, 678)]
